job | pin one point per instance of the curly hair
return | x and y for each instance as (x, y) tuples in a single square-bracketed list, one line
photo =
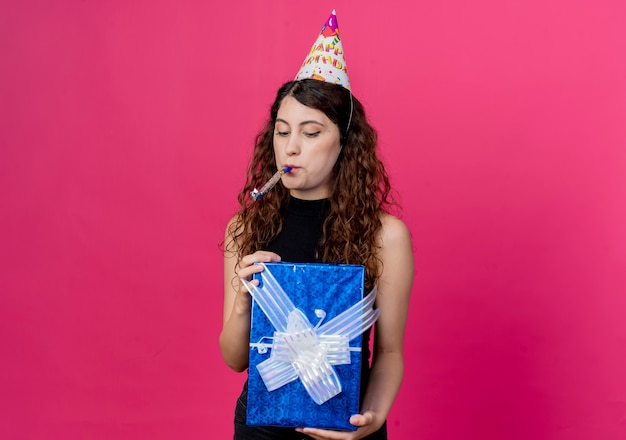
[(359, 190)]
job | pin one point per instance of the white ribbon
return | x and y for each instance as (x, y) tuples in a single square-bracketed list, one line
[(301, 351)]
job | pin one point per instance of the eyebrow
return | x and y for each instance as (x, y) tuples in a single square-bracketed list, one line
[(310, 121)]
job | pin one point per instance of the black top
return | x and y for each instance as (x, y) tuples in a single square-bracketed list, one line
[(302, 230)]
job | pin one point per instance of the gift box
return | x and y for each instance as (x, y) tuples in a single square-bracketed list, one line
[(305, 344)]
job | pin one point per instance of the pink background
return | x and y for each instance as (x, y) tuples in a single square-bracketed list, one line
[(125, 129)]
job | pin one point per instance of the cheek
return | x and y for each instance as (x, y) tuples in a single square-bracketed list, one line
[(326, 162)]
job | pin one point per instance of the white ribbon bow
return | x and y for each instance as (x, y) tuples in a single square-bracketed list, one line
[(301, 351)]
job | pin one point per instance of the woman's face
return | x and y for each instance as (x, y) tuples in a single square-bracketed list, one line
[(307, 141)]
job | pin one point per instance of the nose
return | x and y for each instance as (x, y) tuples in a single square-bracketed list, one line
[(292, 146)]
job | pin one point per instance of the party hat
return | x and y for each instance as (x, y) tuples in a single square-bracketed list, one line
[(325, 62)]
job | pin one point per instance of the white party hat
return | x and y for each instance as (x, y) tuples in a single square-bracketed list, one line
[(325, 61)]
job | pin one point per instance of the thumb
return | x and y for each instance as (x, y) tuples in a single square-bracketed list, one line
[(366, 418)]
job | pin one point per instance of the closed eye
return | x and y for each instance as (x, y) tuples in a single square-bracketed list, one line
[(312, 135), (281, 133)]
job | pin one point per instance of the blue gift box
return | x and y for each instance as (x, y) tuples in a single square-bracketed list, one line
[(311, 287)]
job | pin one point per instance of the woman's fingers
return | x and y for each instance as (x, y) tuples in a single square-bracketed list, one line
[(259, 257), (247, 268)]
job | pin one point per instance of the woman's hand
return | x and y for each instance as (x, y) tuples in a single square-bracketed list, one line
[(246, 267), (235, 335), (367, 423)]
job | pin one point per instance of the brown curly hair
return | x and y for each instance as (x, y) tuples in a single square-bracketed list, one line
[(359, 193)]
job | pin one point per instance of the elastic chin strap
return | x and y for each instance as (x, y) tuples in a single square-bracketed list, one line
[(349, 120)]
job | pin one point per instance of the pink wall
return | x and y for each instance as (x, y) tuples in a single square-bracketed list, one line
[(125, 128)]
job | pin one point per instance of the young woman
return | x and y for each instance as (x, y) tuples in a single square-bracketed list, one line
[(331, 207)]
